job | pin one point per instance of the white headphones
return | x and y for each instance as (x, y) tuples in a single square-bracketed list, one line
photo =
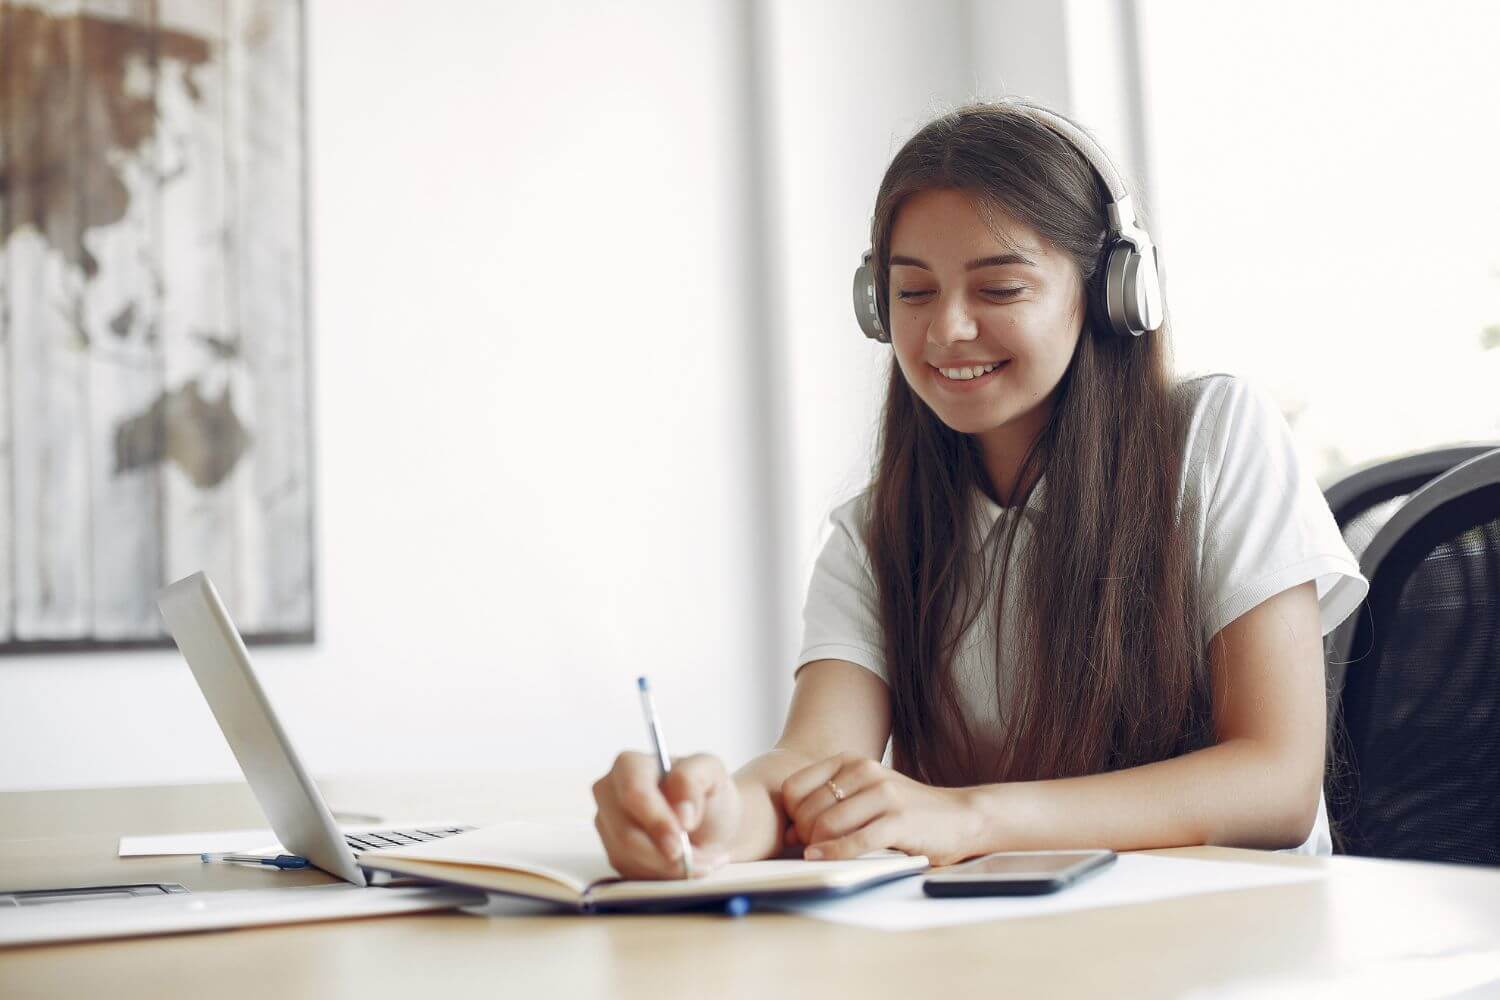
[(1130, 293)]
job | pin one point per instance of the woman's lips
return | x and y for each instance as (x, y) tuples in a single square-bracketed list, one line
[(969, 385)]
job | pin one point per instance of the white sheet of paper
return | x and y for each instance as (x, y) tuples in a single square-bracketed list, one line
[(1133, 878), (204, 911), (252, 841), (196, 843)]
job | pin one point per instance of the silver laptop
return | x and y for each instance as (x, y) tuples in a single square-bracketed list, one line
[(217, 656)]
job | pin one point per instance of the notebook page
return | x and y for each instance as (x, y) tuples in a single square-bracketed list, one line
[(568, 853), (764, 877)]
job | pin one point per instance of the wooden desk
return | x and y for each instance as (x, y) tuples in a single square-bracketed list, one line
[(1365, 912)]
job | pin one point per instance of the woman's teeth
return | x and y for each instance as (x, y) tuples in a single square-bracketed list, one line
[(964, 374)]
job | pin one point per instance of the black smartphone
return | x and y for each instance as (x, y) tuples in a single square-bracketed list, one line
[(1016, 873)]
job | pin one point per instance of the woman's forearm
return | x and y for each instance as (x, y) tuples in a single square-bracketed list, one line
[(1236, 793), (762, 816)]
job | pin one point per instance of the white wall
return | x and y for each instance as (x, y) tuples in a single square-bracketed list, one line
[(529, 329), (586, 379)]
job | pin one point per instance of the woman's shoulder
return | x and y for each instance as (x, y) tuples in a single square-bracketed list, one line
[(1221, 408), (1205, 394), (1228, 418), (841, 537), (1209, 398), (849, 518)]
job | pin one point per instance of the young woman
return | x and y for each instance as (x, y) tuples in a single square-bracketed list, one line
[(1083, 602)]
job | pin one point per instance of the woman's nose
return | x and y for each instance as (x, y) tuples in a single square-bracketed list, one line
[(953, 323)]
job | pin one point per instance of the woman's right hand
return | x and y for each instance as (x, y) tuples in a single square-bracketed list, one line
[(640, 816)]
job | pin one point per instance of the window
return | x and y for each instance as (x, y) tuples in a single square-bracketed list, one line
[(1323, 188)]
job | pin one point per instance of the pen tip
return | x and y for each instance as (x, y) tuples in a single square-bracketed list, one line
[(640, 682)]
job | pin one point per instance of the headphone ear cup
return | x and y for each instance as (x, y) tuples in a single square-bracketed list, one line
[(1132, 290), (1098, 297), (1119, 284), (866, 309)]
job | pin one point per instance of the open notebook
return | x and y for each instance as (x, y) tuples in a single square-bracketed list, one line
[(565, 863)]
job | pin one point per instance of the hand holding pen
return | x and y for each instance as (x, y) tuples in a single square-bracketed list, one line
[(660, 818)]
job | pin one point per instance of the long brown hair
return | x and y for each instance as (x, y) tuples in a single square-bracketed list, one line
[(1110, 664)]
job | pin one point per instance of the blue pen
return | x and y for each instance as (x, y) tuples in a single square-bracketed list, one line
[(285, 862)]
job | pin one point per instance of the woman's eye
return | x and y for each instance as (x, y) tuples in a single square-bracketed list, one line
[(1003, 293)]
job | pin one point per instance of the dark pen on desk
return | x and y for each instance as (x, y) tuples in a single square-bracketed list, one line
[(659, 742), (285, 862)]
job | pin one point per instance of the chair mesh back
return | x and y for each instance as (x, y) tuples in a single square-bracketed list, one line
[(1421, 699)]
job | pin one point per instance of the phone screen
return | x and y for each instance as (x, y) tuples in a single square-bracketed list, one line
[(1038, 865)]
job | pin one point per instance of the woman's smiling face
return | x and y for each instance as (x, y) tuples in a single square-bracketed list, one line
[(960, 297)]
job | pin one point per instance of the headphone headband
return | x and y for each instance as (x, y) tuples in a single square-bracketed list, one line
[(1131, 294), (1121, 207)]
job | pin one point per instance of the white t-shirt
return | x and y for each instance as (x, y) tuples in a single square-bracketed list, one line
[(1263, 526)]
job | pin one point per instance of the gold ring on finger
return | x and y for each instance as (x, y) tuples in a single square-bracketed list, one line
[(838, 793)]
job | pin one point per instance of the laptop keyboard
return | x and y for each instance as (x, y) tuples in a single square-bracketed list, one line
[(372, 840)]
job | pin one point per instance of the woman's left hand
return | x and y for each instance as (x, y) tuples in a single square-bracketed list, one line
[(877, 808)]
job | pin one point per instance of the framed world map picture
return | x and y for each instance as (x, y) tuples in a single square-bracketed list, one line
[(154, 383)]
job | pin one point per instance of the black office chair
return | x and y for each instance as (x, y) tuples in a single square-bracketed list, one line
[(1417, 750), (1364, 499)]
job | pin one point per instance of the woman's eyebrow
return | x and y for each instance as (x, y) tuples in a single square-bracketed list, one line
[(973, 265)]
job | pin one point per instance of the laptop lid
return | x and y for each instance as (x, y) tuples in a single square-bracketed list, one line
[(216, 654)]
